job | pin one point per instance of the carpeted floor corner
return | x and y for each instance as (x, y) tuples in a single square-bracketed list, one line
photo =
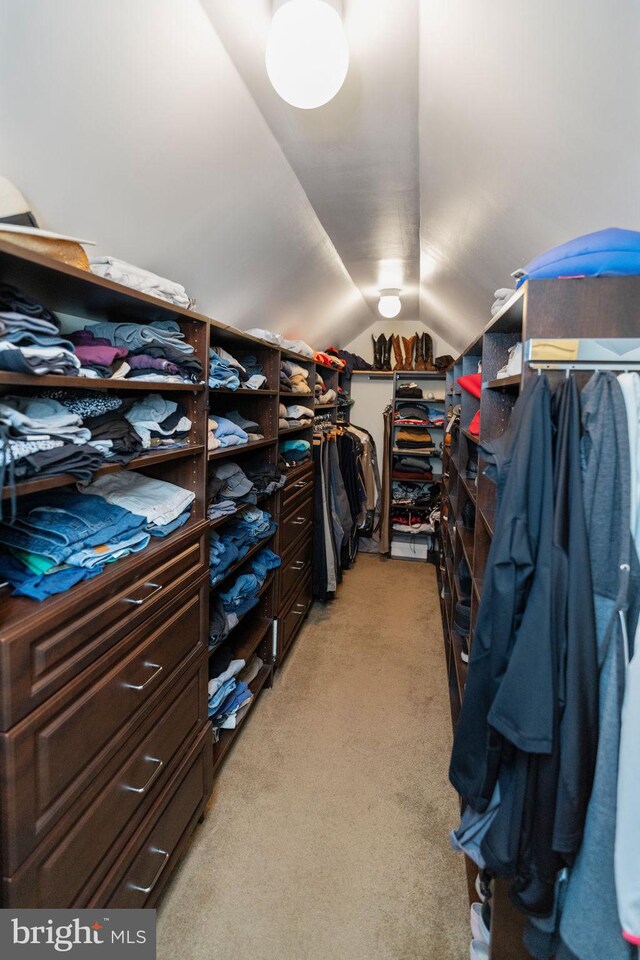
[(327, 834)]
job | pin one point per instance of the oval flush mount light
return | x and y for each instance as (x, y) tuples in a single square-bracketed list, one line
[(389, 305), (307, 53)]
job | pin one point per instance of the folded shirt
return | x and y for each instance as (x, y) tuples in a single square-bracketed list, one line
[(38, 360), (139, 279), (158, 501)]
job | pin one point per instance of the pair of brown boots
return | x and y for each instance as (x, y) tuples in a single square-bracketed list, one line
[(418, 352)]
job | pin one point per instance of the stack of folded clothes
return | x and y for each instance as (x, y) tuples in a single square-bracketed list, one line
[(228, 607), (251, 427), (294, 452), (230, 546), (331, 359), (30, 340), (418, 414), (296, 346), (414, 438), (412, 468), (224, 433), (159, 422), (58, 540), (325, 396), (414, 493), (119, 271), (266, 478), (409, 390), (412, 524), (136, 351), (344, 399), (296, 416), (228, 486), (229, 693), (226, 371), (295, 377), (319, 387)]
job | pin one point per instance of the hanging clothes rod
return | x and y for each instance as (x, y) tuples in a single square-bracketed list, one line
[(585, 367)]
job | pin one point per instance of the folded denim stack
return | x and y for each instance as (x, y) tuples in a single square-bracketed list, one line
[(164, 506), (242, 596), (293, 452), (136, 351), (142, 280), (237, 539), (222, 373), (251, 427), (297, 416), (233, 710), (225, 433), (30, 340), (52, 545), (221, 686), (411, 468), (296, 377), (159, 422)]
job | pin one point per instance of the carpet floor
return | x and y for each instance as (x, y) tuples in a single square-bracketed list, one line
[(327, 834)]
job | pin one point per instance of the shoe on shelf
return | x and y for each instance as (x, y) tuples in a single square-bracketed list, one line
[(479, 950), (464, 653), (481, 922), (484, 885), (513, 366)]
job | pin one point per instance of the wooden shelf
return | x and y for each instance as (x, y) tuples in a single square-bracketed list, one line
[(470, 436), (468, 486), (282, 432), (145, 460), (292, 355), (325, 406), (296, 393), (255, 636), (54, 381), (504, 383), (227, 737), (213, 391), (221, 452)]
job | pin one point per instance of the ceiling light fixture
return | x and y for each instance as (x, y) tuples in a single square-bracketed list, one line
[(389, 305), (307, 54)]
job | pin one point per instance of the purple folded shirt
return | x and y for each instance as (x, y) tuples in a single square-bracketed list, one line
[(84, 338), (100, 356), (140, 361)]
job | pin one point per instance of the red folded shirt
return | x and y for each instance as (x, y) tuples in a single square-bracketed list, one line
[(474, 426), (472, 383)]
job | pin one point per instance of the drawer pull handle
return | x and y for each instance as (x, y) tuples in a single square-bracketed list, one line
[(159, 765), (298, 521), (301, 483), (165, 856), (298, 565), (157, 669), (156, 587), (301, 606)]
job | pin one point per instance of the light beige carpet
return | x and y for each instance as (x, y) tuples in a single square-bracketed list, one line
[(326, 838)]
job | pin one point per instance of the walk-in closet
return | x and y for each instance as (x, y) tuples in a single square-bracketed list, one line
[(320, 479)]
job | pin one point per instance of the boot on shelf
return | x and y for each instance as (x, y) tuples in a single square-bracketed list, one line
[(427, 350), (386, 353), (397, 353), (419, 364), (377, 352), (408, 352)]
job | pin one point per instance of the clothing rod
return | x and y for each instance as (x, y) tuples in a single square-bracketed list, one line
[(578, 367)]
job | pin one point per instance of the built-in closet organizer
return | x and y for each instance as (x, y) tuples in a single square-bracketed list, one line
[(544, 310), (105, 747), (254, 632)]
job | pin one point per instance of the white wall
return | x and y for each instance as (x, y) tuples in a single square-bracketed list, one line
[(126, 123)]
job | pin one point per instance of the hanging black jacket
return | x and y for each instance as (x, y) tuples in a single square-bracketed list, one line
[(509, 697)]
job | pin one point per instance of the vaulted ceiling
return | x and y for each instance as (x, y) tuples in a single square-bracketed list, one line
[(467, 138)]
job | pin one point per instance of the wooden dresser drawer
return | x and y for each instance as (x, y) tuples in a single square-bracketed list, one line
[(75, 856), (296, 565), (300, 483), (291, 621), (78, 627), (143, 868), (298, 521), (51, 757)]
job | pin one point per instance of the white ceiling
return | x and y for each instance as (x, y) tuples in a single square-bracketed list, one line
[(468, 137)]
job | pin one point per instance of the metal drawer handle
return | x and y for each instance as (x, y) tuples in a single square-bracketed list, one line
[(298, 521), (156, 587), (301, 483), (160, 764), (157, 669), (298, 613), (301, 606), (298, 565), (165, 855)]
